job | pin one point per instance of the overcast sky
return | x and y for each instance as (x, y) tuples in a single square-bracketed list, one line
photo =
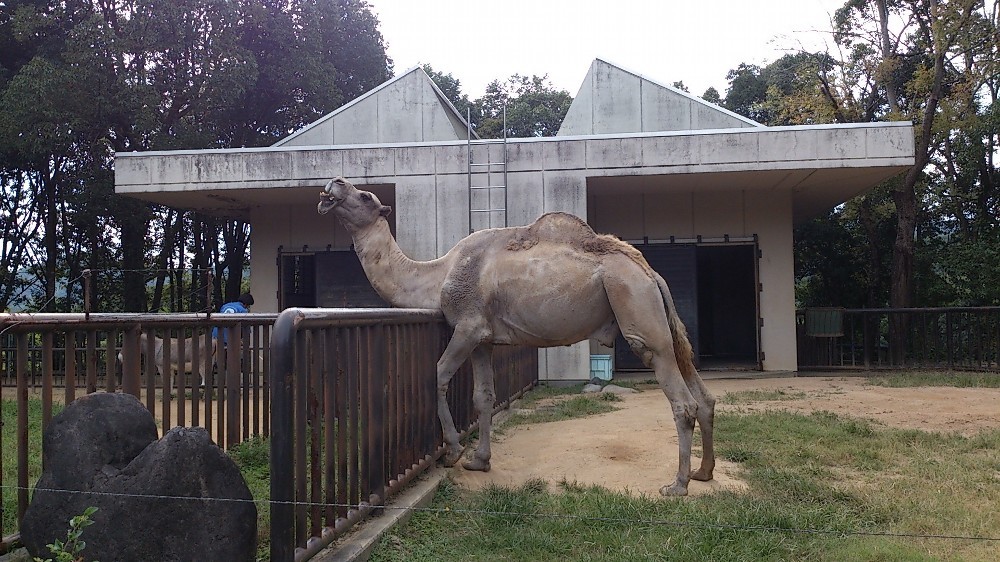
[(696, 42)]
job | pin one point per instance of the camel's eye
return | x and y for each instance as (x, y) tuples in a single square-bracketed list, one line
[(366, 197)]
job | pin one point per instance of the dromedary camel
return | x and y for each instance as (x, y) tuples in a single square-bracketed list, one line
[(552, 283)]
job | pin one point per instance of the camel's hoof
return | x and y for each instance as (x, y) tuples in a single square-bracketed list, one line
[(674, 490), (701, 475), (476, 464), (450, 459)]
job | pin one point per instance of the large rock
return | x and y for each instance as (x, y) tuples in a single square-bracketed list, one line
[(157, 499)]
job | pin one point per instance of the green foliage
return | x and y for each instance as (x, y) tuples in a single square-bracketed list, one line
[(71, 550), (534, 108), (81, 80)]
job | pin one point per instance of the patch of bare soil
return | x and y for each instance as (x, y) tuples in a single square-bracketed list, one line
[(634, 449)]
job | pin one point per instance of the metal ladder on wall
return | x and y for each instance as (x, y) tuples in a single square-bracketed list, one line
[(493, 202)]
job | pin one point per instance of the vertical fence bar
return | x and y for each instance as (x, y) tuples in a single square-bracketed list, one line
[(168, 380), (245, 370), (197, 361), (267, 382), (301, 381), (316, 422), (150, 369), (330, 376), (91, 356), (281, 377), (234, 367), (131, 381), (343, 423), (69, 390), (46, 378), (180, 377), (110, 359), (22, 424)]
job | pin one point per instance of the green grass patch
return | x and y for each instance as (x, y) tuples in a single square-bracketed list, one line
[(816, 482), (562, 408), (253, 457), (750, 396), (8, 452), (960, 379)]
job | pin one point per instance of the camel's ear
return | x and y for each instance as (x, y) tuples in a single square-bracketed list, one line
[(385, 210)]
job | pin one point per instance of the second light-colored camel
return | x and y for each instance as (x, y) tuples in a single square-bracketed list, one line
[(552, 283)]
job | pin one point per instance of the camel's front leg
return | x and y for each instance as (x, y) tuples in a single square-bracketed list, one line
[(484, 395), (459, 348)]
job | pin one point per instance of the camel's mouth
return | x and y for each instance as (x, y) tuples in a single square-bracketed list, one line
[(326, 202)]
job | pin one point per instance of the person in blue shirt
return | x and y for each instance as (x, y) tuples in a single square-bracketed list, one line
[(239, 306)]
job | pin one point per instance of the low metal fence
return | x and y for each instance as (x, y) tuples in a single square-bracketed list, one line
[(955, 338), (48, 360), (354, 414)]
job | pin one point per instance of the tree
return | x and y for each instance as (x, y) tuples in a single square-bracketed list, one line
[(86, 78), (534, 108)]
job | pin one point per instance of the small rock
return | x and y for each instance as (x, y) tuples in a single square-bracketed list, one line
[(615, 389), (591, 388)]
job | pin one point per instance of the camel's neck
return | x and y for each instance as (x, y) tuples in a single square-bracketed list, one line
[(402, 282)]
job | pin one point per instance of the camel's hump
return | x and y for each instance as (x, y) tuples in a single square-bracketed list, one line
[(564, 228)]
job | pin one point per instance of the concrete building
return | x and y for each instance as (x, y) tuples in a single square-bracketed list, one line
[(709, 196)]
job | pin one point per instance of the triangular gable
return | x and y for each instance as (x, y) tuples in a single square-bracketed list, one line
[(614, 100), (407, 108)]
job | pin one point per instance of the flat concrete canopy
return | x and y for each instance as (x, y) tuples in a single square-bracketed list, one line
[(822, 165)]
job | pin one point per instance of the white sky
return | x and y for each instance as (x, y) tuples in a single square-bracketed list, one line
[(696, 42)]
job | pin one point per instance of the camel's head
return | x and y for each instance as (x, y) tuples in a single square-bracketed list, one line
[(355, 208)]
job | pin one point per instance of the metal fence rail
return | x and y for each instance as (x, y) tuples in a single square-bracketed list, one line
[(49, 360), (354, 414), (957, 338)]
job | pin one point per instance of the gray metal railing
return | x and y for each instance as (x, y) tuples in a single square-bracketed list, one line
[(354, 414), (954, 338)]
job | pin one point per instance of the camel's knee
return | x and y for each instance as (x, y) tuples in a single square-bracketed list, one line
[(484, 400), (685, 412)]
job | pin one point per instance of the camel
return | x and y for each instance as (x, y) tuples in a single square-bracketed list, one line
[(175, 363), (552, 283)]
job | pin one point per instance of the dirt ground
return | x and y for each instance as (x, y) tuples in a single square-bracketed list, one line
[(634, 449)]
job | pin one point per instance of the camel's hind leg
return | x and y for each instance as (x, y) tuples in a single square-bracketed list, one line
[(649, 336), (484, 394), (706, 421), (461, 345)]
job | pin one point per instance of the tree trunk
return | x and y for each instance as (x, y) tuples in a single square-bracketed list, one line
[(134, 224), (905, 198)]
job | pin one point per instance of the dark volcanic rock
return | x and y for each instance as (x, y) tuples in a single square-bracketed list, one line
[(157, 500)]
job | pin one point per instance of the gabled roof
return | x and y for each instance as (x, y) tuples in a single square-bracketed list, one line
[(407, 108), (614, 100)]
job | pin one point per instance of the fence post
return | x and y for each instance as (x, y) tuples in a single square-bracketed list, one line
[(282, 440)]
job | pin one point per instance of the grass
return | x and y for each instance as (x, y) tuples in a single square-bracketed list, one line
[(751, 396), (960, 379), (822, 487), (554, 403), (8, 456), (253, 459)]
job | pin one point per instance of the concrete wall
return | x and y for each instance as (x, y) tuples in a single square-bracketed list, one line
[(614, 100), (408, 108)]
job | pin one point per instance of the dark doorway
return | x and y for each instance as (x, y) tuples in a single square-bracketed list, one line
[(727, 306), (714, 290), (326, 279)]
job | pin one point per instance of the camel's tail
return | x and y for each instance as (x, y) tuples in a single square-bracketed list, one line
[(682, 345)]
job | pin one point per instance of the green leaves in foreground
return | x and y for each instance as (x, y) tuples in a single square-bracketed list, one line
[(822, 487)]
